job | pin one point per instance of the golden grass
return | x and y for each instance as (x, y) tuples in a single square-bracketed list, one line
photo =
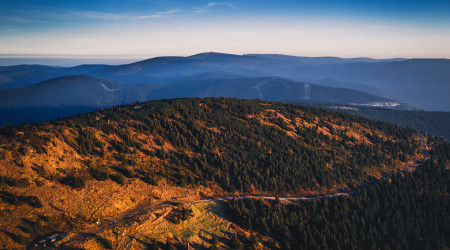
[(208, 220)]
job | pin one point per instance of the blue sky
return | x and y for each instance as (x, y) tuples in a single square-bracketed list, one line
[(147, 28)]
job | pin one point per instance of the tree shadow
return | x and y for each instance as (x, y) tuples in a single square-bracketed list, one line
[(15, 237), (203, 236)]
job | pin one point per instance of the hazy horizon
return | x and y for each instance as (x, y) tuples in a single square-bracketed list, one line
[(68, 61), (151, 28)]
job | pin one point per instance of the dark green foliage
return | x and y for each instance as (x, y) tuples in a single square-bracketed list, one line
[(184, 215), (32, 201), (5, 180), (73, 181), (88, 143), (214, 243), (98, 173), (125, 171), (14, 199), (252, 155), (235, 242), (252, 243), (435, 123), (408, 211), (220, 140), (150, 178), (11, 198), (169, 245), (20, 239), (117, 178), (32, 228), (153, 245)]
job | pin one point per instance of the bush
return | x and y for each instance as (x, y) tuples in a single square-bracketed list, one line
[(125, 171), (32, 201), (11, 199), (98, 174), (117, 178), (235, 242), (184, 215), (73, 181), (5, 180), (214, 243), (150, 178)]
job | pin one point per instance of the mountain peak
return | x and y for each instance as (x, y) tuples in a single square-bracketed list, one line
[(212, 54)]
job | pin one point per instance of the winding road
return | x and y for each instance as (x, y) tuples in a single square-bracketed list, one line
[(425, 158), (59, 237)]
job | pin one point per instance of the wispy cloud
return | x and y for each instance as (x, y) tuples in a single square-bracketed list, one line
[(114, 16), (14, 19), (69, 15), (168, 13), (202, 9), (89, 15)]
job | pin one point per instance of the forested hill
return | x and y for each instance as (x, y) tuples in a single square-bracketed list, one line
[(239, 145), (405, 211), (432, 122), (108, 165)]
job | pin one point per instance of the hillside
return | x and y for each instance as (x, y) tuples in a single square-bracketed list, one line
[(19, 76), (405, 211), (128, 169), (81, 91), (65, 96), (263, 88), (433, 122)]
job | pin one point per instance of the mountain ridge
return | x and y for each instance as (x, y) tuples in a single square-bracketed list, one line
[(85, 93), (420, 83)]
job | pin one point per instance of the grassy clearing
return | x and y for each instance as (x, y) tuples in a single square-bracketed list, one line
[(198, 230)]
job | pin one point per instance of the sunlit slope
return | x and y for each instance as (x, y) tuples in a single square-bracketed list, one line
[(112, 163)]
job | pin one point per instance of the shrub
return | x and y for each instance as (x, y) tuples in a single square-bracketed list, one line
[(11, 198), (5, 180), (150, 178), (124, 171), (98, 174), (32, 201), (73, 181), (214, 243), (185, 214), (235, 242), (117, 178)]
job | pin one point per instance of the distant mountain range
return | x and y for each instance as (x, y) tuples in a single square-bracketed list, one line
[(399, 83), (69, 95), (69, 91), (264, 88), (18, 76)]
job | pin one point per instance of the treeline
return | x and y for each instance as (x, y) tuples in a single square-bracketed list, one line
[(407, 211), (434, 123)]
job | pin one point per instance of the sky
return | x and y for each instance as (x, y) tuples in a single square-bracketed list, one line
[(127, 29)]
